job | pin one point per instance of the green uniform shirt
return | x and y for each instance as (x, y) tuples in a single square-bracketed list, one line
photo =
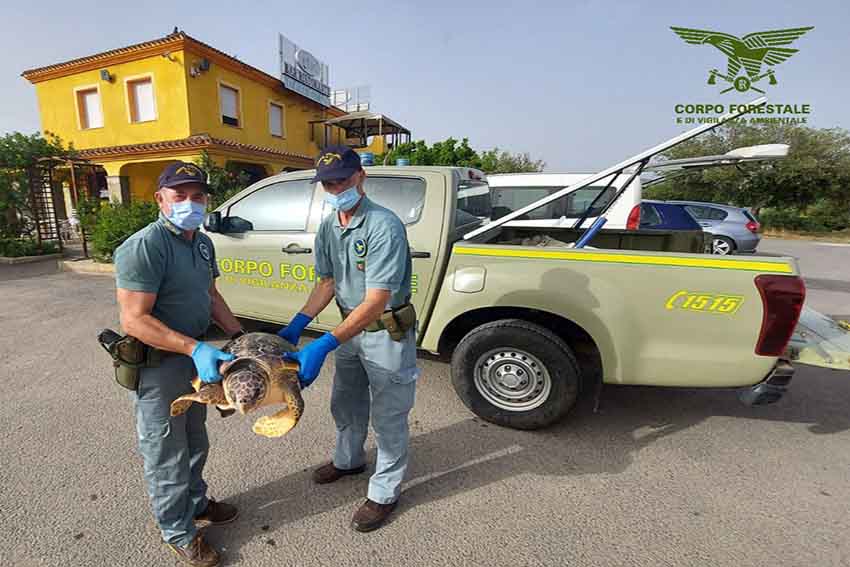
[(158, 259), (370, 253)]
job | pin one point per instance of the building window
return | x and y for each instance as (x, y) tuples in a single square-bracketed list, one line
[(88, 108), (229, 105), (276, 124), (140, 97)]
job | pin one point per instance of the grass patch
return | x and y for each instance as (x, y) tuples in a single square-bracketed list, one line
[(840, 236)]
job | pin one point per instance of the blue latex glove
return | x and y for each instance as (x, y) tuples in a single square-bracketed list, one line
[(311, 357), (207, 358), (292, 332)]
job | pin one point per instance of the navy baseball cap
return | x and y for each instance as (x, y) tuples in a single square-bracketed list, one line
[(336, 162), (180, 173)]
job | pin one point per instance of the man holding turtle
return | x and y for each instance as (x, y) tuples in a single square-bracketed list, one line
[(165, 275), (363, 261)]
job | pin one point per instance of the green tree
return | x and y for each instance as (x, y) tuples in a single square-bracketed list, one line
[(459, 153), (224, 182), (18, 152), (500, 161), (817, 168)]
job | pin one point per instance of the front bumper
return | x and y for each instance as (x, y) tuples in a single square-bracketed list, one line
[(770, 389)]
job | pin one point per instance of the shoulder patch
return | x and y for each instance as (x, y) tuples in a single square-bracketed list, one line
[(204, 250), (360, 247)]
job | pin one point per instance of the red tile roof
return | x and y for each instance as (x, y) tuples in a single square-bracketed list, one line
[(197, 142), (175, 41)]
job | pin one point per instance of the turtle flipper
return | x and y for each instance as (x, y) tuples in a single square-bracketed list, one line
[(182, 404), (283, 421), (207, 394)]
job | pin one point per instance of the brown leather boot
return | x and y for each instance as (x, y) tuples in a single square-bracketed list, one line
[(216, 514), (328, 473), (198, 553), (371, 515)]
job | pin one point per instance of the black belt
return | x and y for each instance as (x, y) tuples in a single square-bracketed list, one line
[(397, 321)]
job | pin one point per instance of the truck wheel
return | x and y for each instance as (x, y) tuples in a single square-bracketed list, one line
[(515, 374)]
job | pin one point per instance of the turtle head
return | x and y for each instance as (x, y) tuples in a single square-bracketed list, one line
[(246, 384)]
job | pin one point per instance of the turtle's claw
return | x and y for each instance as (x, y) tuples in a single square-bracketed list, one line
[(225, 412)]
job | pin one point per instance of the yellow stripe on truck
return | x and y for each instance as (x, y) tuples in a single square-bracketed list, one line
[(613, 258)]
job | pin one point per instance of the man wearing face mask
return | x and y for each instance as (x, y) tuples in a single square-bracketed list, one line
[(165, 275), (362, 260)]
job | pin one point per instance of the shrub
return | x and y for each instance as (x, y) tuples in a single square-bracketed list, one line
[(88, 209), (116, 222), (822, 216), (17, 247)]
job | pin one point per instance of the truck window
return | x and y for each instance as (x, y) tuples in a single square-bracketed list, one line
[(405, 196), (572, 206), (473, 202), (279, 206)]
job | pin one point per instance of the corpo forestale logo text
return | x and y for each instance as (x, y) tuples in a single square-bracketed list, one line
[(749, 61)]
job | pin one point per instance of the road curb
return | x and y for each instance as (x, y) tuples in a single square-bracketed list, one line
[(28, 259), (86, 267)]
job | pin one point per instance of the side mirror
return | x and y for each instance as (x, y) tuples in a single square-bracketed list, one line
[(236, 225), (213, 222)]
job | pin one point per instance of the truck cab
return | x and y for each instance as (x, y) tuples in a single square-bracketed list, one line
[(264, 236)]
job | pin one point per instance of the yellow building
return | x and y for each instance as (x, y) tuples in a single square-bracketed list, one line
[(133, 110)]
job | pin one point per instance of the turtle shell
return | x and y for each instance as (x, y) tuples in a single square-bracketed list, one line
[(258, 344), (247, 380)]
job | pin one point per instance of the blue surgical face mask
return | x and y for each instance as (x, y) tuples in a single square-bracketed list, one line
[(344, 201), (187, 215)]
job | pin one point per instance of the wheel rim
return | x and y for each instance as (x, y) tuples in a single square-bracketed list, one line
[(512, 379), (720, 246)]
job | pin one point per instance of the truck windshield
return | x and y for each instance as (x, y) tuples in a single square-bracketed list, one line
[(571, 206), (473, 202)]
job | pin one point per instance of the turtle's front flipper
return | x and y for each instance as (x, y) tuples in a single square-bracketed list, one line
[(182, 404), (207, 394), (283, 421)]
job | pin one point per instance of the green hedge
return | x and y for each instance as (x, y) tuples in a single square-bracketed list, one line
[(116, 222), (17, 247), (823, 216)]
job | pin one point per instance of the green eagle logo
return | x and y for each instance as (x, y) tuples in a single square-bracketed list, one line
[(748, 52)]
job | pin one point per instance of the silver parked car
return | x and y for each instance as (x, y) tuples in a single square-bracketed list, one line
[(733, 229)]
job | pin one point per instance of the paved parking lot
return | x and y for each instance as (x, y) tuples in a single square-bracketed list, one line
[(661, 477)]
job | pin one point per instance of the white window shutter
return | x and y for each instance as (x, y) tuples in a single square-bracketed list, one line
[(143, 99), (94, 114), (275, 120), (229, 102)]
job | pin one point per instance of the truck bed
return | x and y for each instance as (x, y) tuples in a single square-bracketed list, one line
[(690, 241)]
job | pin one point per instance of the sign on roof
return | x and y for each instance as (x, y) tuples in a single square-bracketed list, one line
[(303, 73)]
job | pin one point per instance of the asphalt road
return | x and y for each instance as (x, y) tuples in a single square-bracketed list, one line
[(661, 477)]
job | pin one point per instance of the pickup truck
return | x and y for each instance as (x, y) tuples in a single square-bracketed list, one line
[(527, 321)]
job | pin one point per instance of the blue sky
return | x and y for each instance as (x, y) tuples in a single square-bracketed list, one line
[(580, 85)]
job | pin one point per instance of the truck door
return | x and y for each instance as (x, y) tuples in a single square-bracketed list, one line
[(266, 254), (418, 199)]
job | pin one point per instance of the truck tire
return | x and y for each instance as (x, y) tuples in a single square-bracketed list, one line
[(515, 374)]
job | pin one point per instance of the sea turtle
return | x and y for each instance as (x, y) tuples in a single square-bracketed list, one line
[(257, 377)]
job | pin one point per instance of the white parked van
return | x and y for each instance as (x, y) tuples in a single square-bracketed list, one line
[(512, 191)]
